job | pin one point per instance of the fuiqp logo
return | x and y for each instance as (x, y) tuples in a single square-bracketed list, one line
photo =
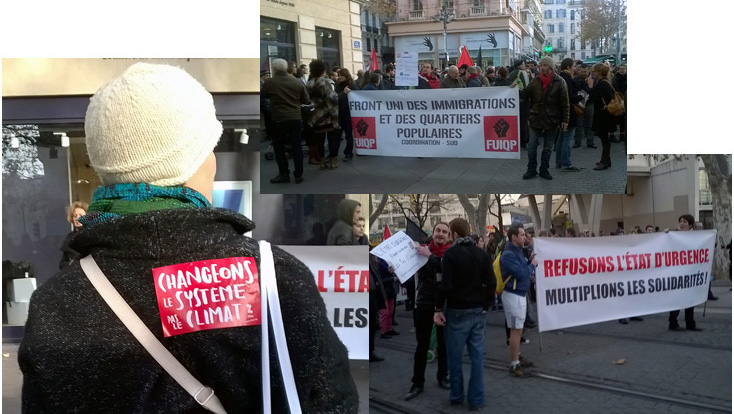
[(365, 134), (500, 134)]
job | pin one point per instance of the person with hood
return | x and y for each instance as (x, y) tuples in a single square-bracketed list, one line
[(342, 234), (156, 162)]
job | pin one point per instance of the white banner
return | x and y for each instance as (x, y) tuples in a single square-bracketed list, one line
[(461, 122), (342, 276), (399, 251), (589, 280)]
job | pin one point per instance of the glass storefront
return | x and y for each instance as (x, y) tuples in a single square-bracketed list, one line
[(277, 40), (327, 47)]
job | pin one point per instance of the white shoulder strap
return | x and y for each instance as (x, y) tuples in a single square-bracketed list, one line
[(270, 300), (202, 394)]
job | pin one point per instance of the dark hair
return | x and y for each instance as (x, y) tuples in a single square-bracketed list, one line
[(502, 72), (566, 63), (348, 76), (317, 68), (374, 78), (514, 230), (439, 224), (459, 226), (650, 225), (689, 218), (570, 232), (389, 67)]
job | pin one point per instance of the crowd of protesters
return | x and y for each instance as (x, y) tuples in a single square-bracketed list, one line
[(455, 290), (577, 99)]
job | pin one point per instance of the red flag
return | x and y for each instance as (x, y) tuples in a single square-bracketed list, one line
[(464, 57), (373, 59), (386, 233)]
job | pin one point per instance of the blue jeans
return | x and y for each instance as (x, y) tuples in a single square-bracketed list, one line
[(549, 136), (563, 150), (465, 327)]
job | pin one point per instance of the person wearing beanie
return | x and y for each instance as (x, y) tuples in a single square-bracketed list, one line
[(548, 99), (150, 135)]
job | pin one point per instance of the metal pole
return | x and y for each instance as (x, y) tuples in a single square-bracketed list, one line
[(619, 39), (445, 43)]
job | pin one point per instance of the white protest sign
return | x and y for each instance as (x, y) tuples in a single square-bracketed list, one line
[(588, 280), (457, 122), (342, 276), (400, 252), (406, 69)]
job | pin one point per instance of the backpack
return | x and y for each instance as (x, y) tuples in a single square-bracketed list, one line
[(501, 281), (615, 107)]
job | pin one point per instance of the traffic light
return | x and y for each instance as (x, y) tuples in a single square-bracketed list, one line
[(548, 48)]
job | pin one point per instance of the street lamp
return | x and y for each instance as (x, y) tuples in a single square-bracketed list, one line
[(445, 17)]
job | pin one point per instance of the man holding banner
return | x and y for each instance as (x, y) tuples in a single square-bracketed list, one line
[(685, 223), (516, 272)]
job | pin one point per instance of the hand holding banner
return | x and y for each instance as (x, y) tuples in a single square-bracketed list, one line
[(400, 252)]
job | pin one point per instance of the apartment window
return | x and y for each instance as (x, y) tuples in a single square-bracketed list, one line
[(573, 56), (369, 44), (449, 4), (573, 14), (560, 13), (583, 46), (551, 28), (573, 43), (573, 28), (417, 5), (548, 14), (560, 43), (583, 55), (560, 27)]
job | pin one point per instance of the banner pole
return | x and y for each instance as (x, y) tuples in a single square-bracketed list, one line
[(704, 308)]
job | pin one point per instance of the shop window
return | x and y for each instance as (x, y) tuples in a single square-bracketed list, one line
[(277, 40), (327, 47)]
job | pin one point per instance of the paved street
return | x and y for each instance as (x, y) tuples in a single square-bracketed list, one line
[(381, 175), (663, 372)]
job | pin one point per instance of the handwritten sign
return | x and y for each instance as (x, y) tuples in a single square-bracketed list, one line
[(400, 252), (406, 69), (209, 294)]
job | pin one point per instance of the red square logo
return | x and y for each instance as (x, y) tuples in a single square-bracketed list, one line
[(365, 134), (501, 134)]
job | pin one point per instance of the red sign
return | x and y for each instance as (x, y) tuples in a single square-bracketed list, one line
[(500, 134), (365, 134), (210, 294)]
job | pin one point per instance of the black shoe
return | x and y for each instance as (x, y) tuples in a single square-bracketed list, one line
[(545, 174), (530, 325), (414, 391), (393, 332), (299, 180), (623, 321), (347, 158), (601, 166), (636, 318), (694, 329), (676, 328), (444, 383), (529, 174), (375, 358), (712, 297), (576, 145), (386, 335), (281, 178), (478, 407), (591, 145), (395, 323)]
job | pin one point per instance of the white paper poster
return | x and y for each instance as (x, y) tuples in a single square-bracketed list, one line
[(588, 280), (400, 252), (406, 69)]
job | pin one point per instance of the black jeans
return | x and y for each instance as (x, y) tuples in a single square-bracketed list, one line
[(423, 327), (673, 318), (288, 132)]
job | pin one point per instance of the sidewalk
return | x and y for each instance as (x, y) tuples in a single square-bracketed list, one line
[(663, 371), (381, 175)]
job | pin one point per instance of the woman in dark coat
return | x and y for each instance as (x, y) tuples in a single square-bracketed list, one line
[(604, 122), (345, 84), (620, 85)]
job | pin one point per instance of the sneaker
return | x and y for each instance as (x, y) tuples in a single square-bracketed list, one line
[(281, 178), (545, 174), (518, 371), (529, 174), (525, 363), (524, 340), (571, 169)]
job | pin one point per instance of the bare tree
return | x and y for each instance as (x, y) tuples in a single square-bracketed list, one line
[(380, 207), (718, 170), (599, 23), (418, 207), (477, 217), (497, 201)]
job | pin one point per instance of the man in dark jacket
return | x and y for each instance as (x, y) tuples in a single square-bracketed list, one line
[(427, 294), (548, 100), (563, 146), (157, 165), (426, 78), (467, 290), (452, 79), (473, 79), (516, 272), (286, 94)]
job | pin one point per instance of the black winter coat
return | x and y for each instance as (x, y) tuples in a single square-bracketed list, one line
[(77, 357), (467, 278), (427, 292), (573, 97), (603, 122)]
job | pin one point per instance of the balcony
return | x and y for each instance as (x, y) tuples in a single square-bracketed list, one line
[(477, 11), (416, 15)]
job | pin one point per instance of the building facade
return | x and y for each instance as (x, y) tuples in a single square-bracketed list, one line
[(304, 30), (499, 30), (375, 36)]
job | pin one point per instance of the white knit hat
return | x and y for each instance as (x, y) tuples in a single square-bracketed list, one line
[(154, 124)]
